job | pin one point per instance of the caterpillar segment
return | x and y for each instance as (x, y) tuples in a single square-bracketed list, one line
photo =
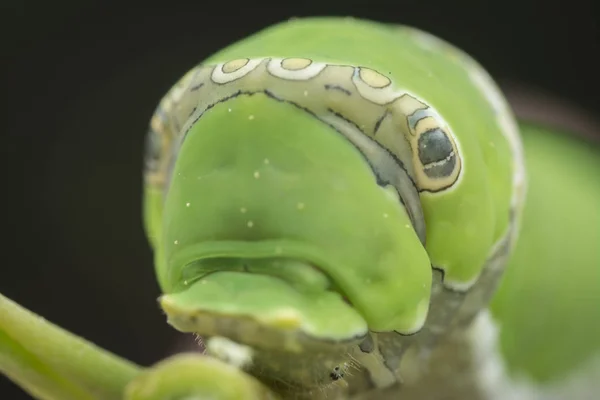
[(414, 154)]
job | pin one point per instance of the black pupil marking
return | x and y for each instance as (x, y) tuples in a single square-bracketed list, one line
[(435, 148), (336, 374)]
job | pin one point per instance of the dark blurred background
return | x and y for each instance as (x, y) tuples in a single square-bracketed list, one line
[(81, 80)]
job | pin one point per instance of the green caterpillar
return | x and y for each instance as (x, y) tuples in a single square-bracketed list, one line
[(342, 197)]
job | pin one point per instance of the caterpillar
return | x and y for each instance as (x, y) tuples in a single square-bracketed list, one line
[(357, 204)]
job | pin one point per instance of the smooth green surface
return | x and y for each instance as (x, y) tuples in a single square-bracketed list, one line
[(314, 200), (271, 301), (548, 304), (51, 363), (196, 377), (463, 223)]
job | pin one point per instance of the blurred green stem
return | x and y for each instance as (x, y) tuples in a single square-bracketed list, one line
[(51, 363)]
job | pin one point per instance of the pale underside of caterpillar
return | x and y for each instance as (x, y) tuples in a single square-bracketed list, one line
[(388, 126)]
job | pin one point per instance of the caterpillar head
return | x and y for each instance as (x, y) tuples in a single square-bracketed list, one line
[(276, 234)]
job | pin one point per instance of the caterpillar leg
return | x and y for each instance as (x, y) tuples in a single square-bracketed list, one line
[(195, 376)]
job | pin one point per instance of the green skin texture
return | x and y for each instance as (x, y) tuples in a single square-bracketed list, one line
[(474, 213), (191, 377), (310, 164), (548, 302), (462, 224)]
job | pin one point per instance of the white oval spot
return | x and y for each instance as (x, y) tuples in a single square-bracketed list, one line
[(233, 70), (276, 68)]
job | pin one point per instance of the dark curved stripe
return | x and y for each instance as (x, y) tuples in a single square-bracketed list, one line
[(421, 233), (338, 88), (396, 159), (196, 87), (379, 121)]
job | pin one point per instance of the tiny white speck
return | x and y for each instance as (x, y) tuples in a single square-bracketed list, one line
[(251, 117), (385, 215), (176, 242), (229, 110), (266, 161), (243, 210), (306, 93), (407, 226), (300, 206), (185, 282), (187, 204), (256, 174), (250, 224)]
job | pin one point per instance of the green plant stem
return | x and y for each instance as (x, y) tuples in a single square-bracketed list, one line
[(51, 363)]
